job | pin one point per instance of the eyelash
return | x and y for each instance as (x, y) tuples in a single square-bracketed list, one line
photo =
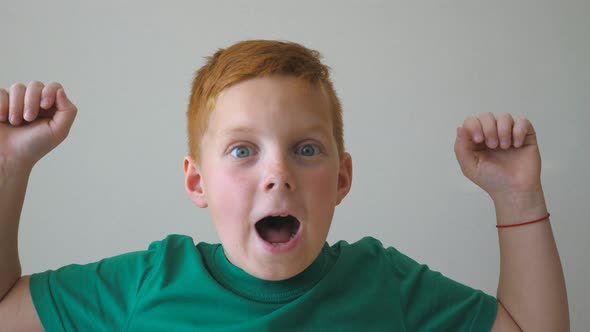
[(234, 148), (316, 148), (297, 150)]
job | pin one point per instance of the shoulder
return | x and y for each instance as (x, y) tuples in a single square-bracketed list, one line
[(159, 254), (172, 241), (180, 243), (368, 249), (178, 248), (368, 245), (372, 249)]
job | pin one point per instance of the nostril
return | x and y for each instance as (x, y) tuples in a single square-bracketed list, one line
[(275, 185)]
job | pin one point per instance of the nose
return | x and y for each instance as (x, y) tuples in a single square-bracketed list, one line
[(278, 176)]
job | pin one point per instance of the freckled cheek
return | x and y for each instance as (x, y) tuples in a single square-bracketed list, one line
[(322, 183), (319, 190), (229, 198)]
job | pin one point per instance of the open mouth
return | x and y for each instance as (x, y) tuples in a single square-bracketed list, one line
[(277, 229)]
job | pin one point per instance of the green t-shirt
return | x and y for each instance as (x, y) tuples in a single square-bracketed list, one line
[(177, 286)]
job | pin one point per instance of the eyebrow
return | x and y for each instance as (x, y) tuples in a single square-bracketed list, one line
[(246, 129), (237, 130)]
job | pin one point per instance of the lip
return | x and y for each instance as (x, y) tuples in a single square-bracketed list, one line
[(276, 213), (280, 248)]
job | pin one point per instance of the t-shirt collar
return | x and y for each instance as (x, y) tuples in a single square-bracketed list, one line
[(253, 288)]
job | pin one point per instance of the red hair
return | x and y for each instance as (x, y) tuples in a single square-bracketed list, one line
[(251, 59)]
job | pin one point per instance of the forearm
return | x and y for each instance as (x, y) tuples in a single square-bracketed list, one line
[(13, 185), (531, 285)]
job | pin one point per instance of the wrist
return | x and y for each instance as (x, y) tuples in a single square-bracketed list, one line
[(11, 173), (520, 207)]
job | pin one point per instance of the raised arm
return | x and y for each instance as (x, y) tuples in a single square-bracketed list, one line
[(34, 119), (501, 156)]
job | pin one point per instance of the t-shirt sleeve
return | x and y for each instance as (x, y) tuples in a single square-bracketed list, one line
[(433, 302), (95, 297)]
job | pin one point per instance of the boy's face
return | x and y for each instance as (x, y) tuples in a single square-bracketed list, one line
[(270, 174)]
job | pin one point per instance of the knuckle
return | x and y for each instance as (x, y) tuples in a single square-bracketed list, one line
[(470, 120), (521, 125), (504, 116), (17, 85), (488, 127), (35, 83), (56, 85), (504, 125)]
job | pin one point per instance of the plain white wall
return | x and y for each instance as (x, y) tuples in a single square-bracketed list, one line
[(408, 73)]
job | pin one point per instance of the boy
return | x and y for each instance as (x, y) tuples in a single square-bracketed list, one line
[(266, 156)]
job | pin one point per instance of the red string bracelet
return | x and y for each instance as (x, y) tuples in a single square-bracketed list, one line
[(525, 223)]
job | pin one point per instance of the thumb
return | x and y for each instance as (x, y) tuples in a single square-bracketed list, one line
[(64, 116), (464, 151)]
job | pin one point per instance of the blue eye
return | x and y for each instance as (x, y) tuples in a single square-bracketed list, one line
[(241, 152), (308, 150)]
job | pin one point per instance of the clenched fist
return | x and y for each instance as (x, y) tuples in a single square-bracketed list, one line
[(499, 154), (34, 119)]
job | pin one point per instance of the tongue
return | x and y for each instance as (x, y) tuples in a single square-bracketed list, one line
[(276, 234)]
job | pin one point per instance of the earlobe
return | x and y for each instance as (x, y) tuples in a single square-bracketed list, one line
[(193, 182), (344, 177)]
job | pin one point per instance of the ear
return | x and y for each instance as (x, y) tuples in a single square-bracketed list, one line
[(344, 177), (193, 182)]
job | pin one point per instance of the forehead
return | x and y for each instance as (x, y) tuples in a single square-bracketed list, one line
[(271, 99)]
